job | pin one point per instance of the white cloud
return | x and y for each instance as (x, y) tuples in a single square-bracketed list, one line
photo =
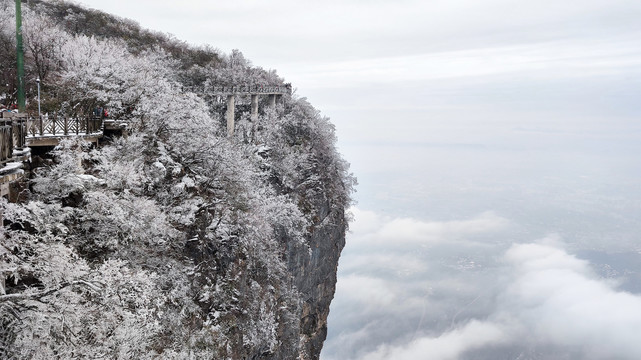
[(393, 263), (392, 288), (364, 221), (371, 229), (561, 301), (368, 291), (544, 60), (545, 299), (448, 346), (401, 38)]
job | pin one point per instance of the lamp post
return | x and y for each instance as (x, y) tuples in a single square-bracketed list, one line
[(20, 57), (38, 82)]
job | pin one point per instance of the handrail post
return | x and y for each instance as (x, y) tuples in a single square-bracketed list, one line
[(10, 149), (17, 133), (23, 133), (18, 127), (2, 142)]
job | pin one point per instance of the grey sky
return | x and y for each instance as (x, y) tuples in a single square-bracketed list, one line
[(496, 144)]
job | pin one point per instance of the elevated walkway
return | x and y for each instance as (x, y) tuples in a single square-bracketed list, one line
[(19, 133), (48, 131), (275, 92)]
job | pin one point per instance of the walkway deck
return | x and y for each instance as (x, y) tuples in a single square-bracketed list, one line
[(48, 131)]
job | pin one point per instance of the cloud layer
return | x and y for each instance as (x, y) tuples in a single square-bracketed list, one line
[(372, 229), (464, 296)]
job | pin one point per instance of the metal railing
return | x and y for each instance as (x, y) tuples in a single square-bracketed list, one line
[(12, 136), (64, 126), (17, 129), (244, 89)]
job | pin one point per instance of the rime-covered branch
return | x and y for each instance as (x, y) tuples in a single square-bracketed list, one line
[(41, 294)]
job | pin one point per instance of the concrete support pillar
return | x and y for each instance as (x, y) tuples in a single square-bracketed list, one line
[(230, 115), (254, 115)]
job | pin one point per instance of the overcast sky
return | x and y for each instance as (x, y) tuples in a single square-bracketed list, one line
[(496, 144)]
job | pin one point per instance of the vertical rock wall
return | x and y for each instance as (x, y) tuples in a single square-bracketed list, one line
[(314, 273)]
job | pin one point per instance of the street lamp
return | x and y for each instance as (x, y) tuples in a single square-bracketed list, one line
[(38, 82), (20, 57)]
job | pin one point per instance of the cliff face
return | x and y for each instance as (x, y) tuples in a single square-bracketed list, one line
[(313, 269), (176, 241), (316, 277)]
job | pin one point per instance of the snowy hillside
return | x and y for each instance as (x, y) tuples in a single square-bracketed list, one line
[(176, 241)]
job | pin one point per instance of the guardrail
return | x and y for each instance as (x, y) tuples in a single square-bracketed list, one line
[(12, 136), (64, 126), (252, 89), (245, 89)]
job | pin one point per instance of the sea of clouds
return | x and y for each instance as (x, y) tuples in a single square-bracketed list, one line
[(412, 289)]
